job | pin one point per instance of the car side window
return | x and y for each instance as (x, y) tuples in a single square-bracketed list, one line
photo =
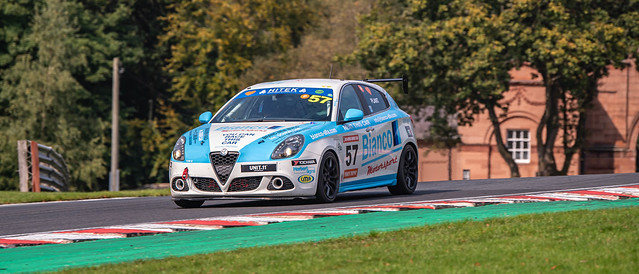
[(348, 100), (374, 100)]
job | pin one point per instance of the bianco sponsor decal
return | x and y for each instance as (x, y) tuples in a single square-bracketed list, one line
[(376, 144), (381, 166)]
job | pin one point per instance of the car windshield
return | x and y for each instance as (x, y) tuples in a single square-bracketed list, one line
[(278, 104)]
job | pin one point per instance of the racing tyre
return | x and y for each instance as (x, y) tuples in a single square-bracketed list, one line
[(188, 203), (328, 179), (407, 173)]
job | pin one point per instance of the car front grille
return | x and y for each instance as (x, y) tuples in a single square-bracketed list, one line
[(206, 184), (245, 184), (223, 165)]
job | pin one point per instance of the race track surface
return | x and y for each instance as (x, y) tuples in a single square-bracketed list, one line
[(53, 216)]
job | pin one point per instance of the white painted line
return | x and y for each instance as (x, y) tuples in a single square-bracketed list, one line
[(146, 227), (622, 190), (68, 201), (593, 196), (65, 236)]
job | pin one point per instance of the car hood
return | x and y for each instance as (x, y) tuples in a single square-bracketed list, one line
[(260, 139)]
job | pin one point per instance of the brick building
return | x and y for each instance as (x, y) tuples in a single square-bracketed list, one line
[(611, 138)]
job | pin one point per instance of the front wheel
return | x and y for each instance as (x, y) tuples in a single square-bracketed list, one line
[(188, 203), (407, 173), (328, 179)]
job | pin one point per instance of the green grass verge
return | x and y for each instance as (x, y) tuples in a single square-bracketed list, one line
[(14, 197), (575, 242)]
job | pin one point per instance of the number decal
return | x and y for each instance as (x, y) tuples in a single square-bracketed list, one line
[(319, 99), (351, 158)]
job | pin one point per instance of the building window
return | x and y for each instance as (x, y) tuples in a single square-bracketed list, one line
[(519, 145)]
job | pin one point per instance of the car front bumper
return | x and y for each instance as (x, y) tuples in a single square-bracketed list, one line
[(271, 180)]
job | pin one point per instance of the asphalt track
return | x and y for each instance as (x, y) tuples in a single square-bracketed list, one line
[(59, 256), (52, 216)]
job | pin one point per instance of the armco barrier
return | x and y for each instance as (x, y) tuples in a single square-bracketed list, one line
[(42, 166)]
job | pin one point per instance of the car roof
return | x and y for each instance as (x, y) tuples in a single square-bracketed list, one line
[(334, 84)]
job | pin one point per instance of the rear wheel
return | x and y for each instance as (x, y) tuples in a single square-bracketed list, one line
[(407, 173), (328, 179), (188, 203)]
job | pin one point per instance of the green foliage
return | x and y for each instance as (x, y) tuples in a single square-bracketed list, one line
[(213, 41), (332, 35), (56, 82), (572, 44), (451, 52), (458, 54), (12, 197), (44, 99)]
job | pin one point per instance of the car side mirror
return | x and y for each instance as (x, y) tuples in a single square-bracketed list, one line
[(353, 115), (205, 117)]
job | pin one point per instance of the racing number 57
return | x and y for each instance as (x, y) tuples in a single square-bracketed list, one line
[(350, 158), (316, 98)]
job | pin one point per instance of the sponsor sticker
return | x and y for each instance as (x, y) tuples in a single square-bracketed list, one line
[(357, 124), (383, 118), (304, 162), (234, 137), (259, 167), (243, 128), (305, 179), (351, 138), (350, 173), (323, 133), (409, 132), (381, 166), (304, 170), (376, 144)]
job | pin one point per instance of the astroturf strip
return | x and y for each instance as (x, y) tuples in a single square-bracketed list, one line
[(55, 257)]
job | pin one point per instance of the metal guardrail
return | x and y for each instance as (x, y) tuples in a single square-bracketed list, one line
[(41, 166)]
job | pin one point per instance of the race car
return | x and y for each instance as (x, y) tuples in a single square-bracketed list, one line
[(305, 138)]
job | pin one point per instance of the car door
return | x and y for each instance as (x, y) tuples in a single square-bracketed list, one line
[(351, 137), (380, 145)]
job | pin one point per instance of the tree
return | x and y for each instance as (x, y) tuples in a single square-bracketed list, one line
[(571, 44), (458, 54), (212, 43), (452, 55), (45, 102), (102, 30)]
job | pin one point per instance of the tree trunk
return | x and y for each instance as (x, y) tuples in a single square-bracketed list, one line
[(503, 151), (550, 124), (580, 132), (450, 164)]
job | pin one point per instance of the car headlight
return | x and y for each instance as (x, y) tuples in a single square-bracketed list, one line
[(178, 149), (288, 147)]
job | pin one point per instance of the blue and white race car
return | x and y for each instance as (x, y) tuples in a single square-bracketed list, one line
[(310, 138)]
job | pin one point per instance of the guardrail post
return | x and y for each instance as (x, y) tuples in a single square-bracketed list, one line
[(35, 167), (23, 165)]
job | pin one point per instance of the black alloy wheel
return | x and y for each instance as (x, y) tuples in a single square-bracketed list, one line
[(328, 179), (188, 203), (407, 172)]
